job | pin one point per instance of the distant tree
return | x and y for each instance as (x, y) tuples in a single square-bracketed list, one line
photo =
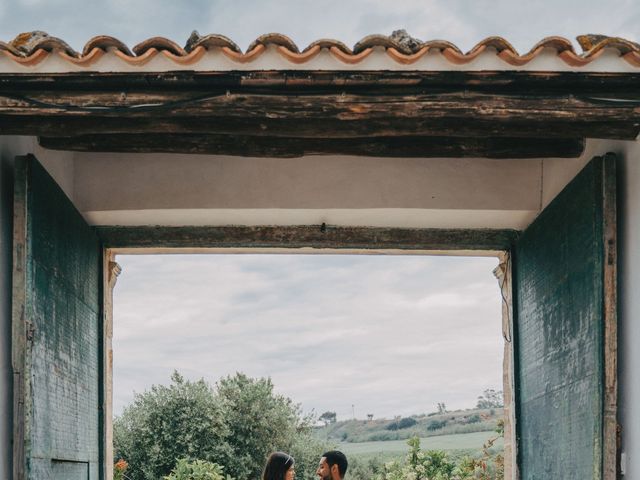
[(442, 408), (328, 417), (490, 399), (370, 416)]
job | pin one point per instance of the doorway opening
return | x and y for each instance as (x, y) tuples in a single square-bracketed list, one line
[(375, 350)]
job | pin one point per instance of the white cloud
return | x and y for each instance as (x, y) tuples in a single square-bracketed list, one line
[(392, 335)]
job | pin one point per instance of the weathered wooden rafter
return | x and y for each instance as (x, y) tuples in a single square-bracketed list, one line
[(280, 147), (308, 236), (271, 112)]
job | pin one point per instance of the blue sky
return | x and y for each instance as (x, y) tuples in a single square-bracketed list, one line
[(392, 335)]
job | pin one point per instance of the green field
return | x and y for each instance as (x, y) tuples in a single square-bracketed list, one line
[(463, 441)]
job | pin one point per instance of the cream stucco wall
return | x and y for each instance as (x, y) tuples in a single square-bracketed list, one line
[(629, 304)]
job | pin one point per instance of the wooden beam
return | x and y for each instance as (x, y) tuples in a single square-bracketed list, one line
[(48, 126), (607, 84), (324, 105), (313, 236), (247, 146)]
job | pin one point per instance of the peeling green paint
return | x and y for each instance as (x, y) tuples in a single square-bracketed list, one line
[(63, 329), (558, 283)]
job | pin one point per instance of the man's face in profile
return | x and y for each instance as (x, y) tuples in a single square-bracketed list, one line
[(324, 472)]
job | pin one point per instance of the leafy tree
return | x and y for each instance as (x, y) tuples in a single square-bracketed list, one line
[(258, 421), (490, 398), (442, 408), (235, 425), (182, 420), (328, 417)]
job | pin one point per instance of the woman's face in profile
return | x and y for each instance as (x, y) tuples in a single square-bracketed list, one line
[(291, 473)]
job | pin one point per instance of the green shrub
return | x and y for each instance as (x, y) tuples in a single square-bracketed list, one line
[(420, 465), (196, 470), (474, 419), (382, 437), (402, 424), (436, 425)]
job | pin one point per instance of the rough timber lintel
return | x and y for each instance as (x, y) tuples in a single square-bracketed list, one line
[(469, 110)]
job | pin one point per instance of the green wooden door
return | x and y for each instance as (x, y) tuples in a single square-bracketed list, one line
[(564, 305), (57, 333)]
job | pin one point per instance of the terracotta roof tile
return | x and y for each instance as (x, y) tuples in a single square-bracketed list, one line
[(210, 42), (33, 47), (274, 39), (105, 43)]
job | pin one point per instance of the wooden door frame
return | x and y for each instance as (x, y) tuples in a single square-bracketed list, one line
[(306, 239)]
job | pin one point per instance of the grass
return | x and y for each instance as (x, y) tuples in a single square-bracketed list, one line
[(379, 430), (463, 441)]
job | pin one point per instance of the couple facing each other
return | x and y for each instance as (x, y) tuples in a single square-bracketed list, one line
[(280, 466)]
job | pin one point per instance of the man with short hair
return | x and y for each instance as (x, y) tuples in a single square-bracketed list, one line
[(333, 466)]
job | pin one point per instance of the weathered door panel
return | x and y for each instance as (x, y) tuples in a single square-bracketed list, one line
[(564, 299), (57, 333)]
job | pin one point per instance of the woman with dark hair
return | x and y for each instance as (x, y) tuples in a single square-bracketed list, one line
[(279, 467)]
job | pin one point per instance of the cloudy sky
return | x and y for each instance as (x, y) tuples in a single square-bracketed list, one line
[(464, 22), (391, 335)]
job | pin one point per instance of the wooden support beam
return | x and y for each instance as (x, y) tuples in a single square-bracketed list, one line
[(319, 116), (324, 104), (313, 236), (598, 84), (328, 128), (247, 146)]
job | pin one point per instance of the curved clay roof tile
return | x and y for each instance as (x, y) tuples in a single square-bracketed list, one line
[(440, 45), (559, 44), (105, 42), (277, 39), (7, 47), (210, 41), (31, 48), (159, 43), (28, 42), (498, 43), (591, 44), (329, 43), (371, 41)]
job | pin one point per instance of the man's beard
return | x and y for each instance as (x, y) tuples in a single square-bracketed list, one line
[(327, 477)]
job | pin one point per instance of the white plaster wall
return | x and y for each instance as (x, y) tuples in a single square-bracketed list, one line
[(629, 304), (164, 189), (148, 189)]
